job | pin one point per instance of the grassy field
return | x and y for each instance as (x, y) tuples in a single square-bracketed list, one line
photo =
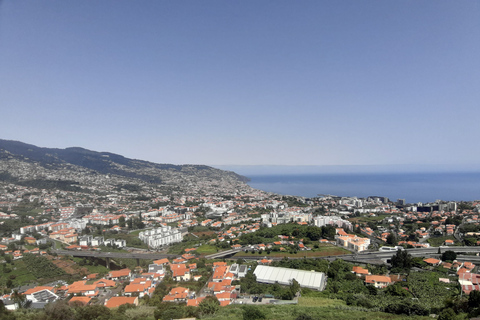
[(366, 219), (137, 232), (317, 308), (19, 273), (206, 249), (93, 268), (439, 241)]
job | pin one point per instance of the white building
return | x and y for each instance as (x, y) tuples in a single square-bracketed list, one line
[(335, 221), (159, 237)]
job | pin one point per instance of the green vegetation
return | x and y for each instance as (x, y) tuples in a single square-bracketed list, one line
[(14, 274), (449, 255), (293, 231), (93, 266), (440, 241), (365, 219), (206, 249), (320, 250), (41, 267)]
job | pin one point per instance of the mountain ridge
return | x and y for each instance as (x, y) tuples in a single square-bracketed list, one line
[(16, 156)]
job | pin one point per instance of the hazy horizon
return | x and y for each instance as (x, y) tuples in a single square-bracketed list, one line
[(257, 170)]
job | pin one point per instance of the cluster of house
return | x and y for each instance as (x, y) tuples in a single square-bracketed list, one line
[(469, 281), (220, 286), (235, 232), (18, 254), (104, 219), (139, 285), (5, 216), (83, 291)]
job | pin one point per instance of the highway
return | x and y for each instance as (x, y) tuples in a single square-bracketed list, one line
[(372, 256), (360, 257), (223, 253)]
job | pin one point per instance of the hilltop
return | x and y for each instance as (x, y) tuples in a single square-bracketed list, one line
[(77, 168)]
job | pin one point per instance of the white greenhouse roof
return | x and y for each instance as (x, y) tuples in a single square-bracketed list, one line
[(306, 279)]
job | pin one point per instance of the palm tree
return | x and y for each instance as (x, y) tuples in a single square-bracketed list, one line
[(21, 300)]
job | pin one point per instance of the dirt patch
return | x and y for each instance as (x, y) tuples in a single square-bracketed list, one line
[(70, 267), (204, 233)]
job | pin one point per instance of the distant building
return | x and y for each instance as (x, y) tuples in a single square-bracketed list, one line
[(159, 237), (353, 242), (284, 276)]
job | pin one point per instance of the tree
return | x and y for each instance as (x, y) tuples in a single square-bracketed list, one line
[(209, 306), (59, 310), (20, 300), (391, 239), (474, 299), (93, 312), (121, 221), (253, 313), (402, 260), (294, 287), (304, 316), (447, 314), (449, 255), (168, 310), (396, 290)]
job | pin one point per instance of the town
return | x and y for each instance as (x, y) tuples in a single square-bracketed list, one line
[(245, 248)]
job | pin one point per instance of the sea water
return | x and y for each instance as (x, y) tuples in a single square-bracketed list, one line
[(413, 187)]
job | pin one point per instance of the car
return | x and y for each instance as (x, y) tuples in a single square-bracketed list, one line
[(260, 299)]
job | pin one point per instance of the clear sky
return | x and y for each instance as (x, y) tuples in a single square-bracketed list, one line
[(245, 82)]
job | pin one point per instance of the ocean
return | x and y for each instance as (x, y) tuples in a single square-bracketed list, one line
[(413, 187)]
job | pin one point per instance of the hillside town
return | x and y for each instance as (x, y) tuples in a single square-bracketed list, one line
[(35, 223), (193, 241)]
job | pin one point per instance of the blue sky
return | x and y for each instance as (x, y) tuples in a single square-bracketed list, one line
[(245, 82)]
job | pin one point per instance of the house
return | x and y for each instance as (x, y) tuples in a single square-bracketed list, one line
[(41, 295), (378, 281), (105, 283), (225, 298), (120, 274), (195, 302), (136, 289), (156, 268), (432, 261), (30, 240), (79, 301), (219, 273), (359, 271), (115, 302), (80, 287), (180, 272), (178, 294), (242, 271), (161, 262)]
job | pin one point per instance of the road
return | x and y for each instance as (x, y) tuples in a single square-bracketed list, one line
[(385, 255), (360, 257)]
